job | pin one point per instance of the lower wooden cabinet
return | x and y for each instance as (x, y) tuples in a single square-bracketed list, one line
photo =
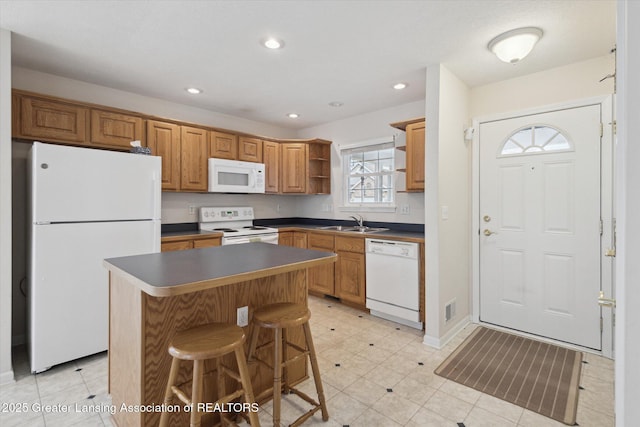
[(321, 279), (350, 281), (297, 239), (188, 242)]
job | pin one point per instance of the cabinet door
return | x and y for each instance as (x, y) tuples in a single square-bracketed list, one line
[(223, 146), (164, 141), (50, 120), (285, 238), (294, 168), (193, 159), (176, 246), (271, 158), (115, 130), (250, 149), (321, 278), (415, 156), (207, 243), (300, 239), (350, 277)]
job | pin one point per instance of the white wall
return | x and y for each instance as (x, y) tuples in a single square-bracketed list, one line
[(448, 178), (352, 130), (568, 83), (627, 370), (6, 371)]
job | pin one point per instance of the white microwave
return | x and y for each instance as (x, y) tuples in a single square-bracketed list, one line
[(235, 176)]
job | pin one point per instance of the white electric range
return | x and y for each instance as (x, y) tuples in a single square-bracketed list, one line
[(236, 225)]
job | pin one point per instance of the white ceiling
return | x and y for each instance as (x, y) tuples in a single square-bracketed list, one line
[(348, 51)]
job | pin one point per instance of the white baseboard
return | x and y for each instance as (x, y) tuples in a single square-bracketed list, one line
[(439, 342), (7, 377)]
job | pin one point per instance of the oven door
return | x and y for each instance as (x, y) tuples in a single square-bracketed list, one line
[(232, 176), (271, 238)]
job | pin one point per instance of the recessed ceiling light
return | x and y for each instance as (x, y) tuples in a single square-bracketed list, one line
[(293, 115), (273, 43), (194, 90), (400, 86), (336, 104)]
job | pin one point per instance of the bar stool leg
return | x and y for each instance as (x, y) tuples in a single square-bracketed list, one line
[(196, 393), (253, 342), (222, 388), (168, 394), (246, 385), (277, 374), (316, 371), (285, 357)]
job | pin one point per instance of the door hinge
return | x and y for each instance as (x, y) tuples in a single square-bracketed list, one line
[(601, 226), (614, 126), (601, 324), (601, 129)]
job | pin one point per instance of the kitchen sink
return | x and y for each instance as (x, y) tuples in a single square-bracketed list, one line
[(355, 229)]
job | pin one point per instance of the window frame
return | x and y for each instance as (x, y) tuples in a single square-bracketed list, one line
[(368, 146)]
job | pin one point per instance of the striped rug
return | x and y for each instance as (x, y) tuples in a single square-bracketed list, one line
[(541, 377)]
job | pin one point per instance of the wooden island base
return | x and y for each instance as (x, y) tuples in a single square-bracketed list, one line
[(142, 325)]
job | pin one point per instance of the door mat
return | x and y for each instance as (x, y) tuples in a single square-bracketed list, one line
[(541, 377)]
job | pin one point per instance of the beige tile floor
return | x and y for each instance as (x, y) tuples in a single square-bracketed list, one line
[(375, 373)]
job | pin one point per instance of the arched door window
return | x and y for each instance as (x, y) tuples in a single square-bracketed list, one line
[(536, 139)]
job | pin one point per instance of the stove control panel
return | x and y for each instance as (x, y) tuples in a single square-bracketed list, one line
[(215, 214)]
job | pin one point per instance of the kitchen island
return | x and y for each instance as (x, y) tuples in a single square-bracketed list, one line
[(152, 296)]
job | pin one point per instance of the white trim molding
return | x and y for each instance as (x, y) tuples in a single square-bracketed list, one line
[(438, 343)]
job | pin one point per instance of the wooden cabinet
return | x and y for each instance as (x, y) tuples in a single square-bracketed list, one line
[(415, 156), (415, 153), (297, 239), (180, 243), (319, 168), (250, 149), (164, 140), (51, 120), (223, 145), (115, 130), (294, 167), (321, 279), (193, 159), (350, 284), (271, 159)]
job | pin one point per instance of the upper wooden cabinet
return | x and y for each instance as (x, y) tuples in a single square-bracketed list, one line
[(164, 140), (223, 145), (193, 159), (415, 156), (294, 167), (50, 120), (415, 152), (109, 129), (271, 159), (250, 149)]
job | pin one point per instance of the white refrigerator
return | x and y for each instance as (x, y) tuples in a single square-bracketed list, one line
[(85, 205)]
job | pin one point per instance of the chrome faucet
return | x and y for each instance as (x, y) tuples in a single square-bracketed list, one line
[(358, 219)]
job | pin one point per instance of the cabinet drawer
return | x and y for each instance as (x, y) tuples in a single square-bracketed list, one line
[(350, 244), (176, 246), (321, 241), (206, 243)]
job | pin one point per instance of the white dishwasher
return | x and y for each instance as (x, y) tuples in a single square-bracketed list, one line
[(393, 281)]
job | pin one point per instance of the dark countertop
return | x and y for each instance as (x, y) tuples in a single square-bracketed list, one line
[(390, 234), (180, 272)]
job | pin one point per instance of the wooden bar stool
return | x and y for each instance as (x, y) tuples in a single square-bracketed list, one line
[(198, 344), (279, 317)]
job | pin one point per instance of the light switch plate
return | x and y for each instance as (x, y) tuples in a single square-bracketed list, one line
[(242, 316)]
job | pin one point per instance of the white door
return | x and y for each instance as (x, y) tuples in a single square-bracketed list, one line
[(540, 224)]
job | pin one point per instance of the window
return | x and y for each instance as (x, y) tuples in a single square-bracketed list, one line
[(368, 175), (535, 139)]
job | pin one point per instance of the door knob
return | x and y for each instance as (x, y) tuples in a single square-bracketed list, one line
[(488, 232)]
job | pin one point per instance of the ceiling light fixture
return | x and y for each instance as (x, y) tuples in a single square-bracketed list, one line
[(400, 86), (194, 90), (514, 45), (273, 43), (336, 104), (293, 115)]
